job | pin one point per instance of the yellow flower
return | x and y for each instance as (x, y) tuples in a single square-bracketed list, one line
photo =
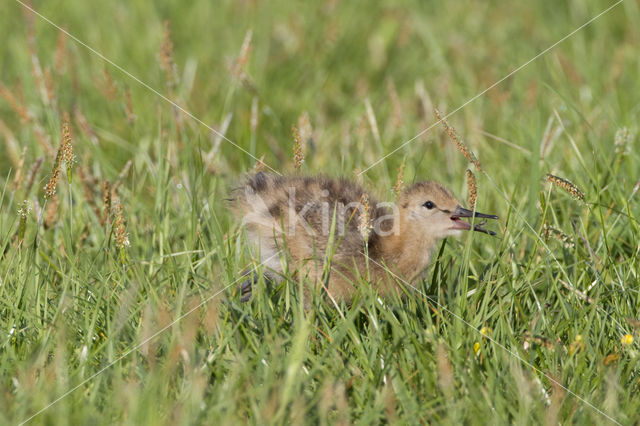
[(476, 348), (485, 331), (577, 345), (627, 339)]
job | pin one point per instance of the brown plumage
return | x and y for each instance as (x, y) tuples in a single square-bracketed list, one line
[(309, 223)]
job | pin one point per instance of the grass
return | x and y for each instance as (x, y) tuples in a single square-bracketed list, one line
[(357, 80)]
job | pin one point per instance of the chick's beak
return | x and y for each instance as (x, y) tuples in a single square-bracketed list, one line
[(462, 212), (460, 224)]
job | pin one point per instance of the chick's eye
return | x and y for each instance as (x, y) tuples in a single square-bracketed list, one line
[(429, 205)]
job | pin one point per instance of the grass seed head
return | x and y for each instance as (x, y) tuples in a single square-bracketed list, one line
[(298, 155), (306, 131), (237, 69), (109, 89), (128, 106), (119, 227), (364, 225), (567, 186), (258, 166), (60, 55), (106, 200), (23, 212), (166, 57), (398, 187), (67, 146), (49, 86), (85, 127), (50, 187), (18, 178), (33, 172), (472, 187), (470, 156), (357, 175), (15, 105)]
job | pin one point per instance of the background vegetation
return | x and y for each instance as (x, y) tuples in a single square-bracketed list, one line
[(537, 325)]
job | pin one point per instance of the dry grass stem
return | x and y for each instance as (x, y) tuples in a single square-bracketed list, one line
[(373, 123), (124, 172), (566, 185), (577, 292), (470, 156), (253, 122)]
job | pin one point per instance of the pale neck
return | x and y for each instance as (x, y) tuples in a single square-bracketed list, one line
[(408, 252)]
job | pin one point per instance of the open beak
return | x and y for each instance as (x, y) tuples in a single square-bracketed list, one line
[(461, 224)]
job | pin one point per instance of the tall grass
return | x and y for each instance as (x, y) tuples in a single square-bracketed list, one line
[(95, 275)]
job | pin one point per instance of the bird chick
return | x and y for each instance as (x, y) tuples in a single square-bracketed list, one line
[(331, 232)]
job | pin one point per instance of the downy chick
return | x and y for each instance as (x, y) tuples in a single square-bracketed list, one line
[(315, 222)]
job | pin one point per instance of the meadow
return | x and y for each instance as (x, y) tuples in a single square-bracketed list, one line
[(119, 258)]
